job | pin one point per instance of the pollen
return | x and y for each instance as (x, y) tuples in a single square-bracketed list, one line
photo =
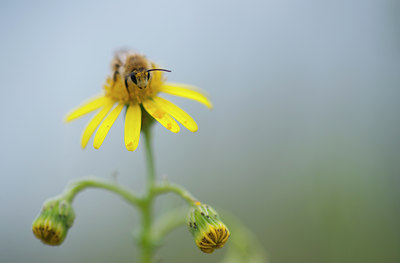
[(159, 113), (118, 91)]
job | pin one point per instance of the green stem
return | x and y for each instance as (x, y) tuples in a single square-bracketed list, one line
[(151, 177), (174, 218), (174, 188), (148, 239), (147, 244), (80, 185)]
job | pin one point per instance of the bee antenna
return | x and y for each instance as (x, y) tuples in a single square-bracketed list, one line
[(158, 69)]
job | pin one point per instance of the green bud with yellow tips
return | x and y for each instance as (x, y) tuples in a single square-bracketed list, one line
[(208, 230), (52, 224)]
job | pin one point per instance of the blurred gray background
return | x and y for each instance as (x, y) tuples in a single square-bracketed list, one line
[(302, 144)]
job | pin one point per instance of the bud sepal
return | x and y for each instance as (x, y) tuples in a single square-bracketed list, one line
[(208, 230), (52, 224)]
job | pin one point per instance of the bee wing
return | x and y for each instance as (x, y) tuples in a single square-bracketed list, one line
[(119, 59), (122, 53)]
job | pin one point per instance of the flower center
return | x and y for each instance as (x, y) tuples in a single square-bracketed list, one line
[(129, 92)]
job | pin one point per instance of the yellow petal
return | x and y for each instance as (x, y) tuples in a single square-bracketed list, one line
[(88, 106), (133, 122), (106, 125), (177, 113), (94, 123), (186, 91), (160, 115)]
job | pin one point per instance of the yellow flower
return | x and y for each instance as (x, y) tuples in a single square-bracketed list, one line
[(135, 85)]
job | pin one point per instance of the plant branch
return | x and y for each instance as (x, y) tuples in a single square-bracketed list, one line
[(91, 182), (177, 189)]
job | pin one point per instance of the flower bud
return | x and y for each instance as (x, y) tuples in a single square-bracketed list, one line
[(208, 230), (52, 224)]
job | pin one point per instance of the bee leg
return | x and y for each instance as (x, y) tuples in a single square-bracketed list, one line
[(115, 75), (126, 85), (114, 78)]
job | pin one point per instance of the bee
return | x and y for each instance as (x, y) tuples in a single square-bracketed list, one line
[(135, 69)]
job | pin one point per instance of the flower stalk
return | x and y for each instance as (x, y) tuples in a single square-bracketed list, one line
[(148, 239), (52, 232), (146, 242), (134, 85)]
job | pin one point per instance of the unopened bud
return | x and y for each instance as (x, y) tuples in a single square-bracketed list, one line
[(208, 230), (52, 224)]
